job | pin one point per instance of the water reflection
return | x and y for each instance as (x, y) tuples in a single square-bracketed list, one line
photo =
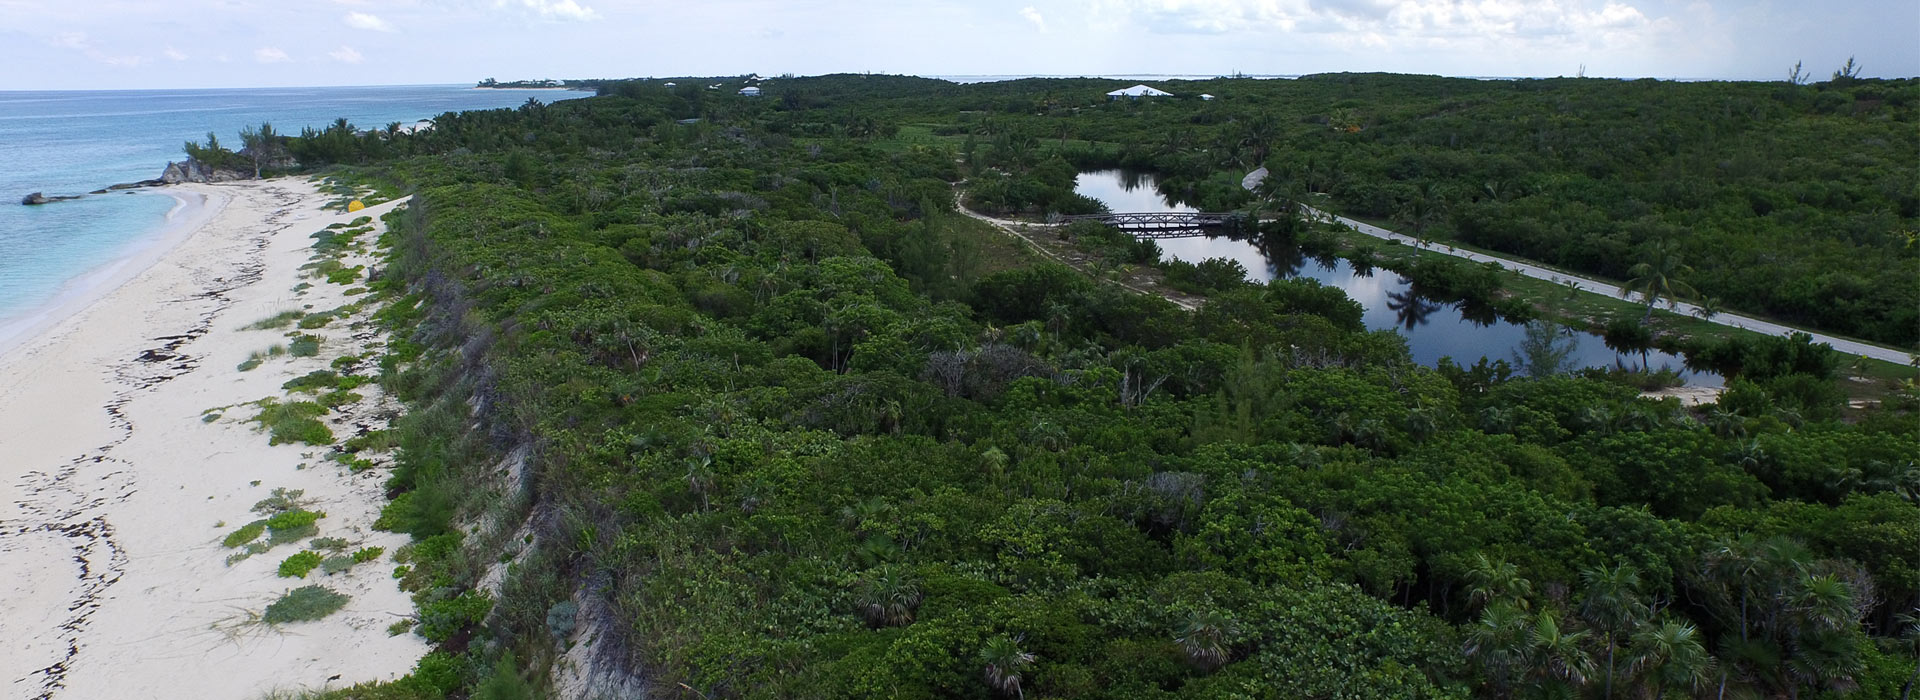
[(1433, 328)]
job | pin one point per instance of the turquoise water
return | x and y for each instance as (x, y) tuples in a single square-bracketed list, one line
[(73, 142)]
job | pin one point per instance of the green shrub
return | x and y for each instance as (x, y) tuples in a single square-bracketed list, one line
[(294, 519), (298, 565), (304, 603), (282, 500), (336, 564), (247, 533), (440, 620), (304, 345), (335, 544), (295, 421), (367, 554)]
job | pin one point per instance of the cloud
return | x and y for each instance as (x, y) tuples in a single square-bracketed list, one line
[(72, 40), (566, 10), (174, 54), (373, 23), (1452, 24), (346, 54), (1033, 15), (79, 41), (269, 54)]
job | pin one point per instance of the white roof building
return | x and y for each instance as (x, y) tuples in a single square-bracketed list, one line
[(1137, 92), (1206, 97), (750, 91)]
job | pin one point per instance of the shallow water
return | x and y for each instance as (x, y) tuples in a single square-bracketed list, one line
[(73, 142), (1433, 329)]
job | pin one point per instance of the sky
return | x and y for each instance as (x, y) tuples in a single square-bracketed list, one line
[(126, 44)]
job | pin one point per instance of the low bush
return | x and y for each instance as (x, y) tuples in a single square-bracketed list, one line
[(294, 519), (303, 604), (304, 345), (247, 533), (296, 421), (298, 565)]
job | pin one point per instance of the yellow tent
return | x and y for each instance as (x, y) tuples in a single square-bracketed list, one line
[(355, 205)]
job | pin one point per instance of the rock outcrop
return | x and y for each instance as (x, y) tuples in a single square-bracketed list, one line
[(191, 170), (37, 199)]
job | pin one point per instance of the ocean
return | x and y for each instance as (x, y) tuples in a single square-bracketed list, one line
[(74, 142)]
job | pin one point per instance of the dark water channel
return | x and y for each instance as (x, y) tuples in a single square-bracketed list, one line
[(1433, 328)]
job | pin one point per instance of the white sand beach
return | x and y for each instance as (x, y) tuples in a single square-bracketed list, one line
[(118, 489)]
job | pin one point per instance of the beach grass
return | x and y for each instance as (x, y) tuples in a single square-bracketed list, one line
[(275, 322)]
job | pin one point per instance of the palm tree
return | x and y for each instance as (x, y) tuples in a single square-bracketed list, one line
[(1205, 638), (1558, 656), (1659, 277), (1613, 606), (1499, 642), (1669, 654), (1492, 583), (889, 597), (1002, 663)]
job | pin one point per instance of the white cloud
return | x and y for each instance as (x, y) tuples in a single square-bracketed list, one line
[(559, 9), (72, 40), (269, 54), (174, 54), (372, 23), (1033, 15), (346, 54)]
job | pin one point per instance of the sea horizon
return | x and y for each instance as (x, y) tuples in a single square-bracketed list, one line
[(74, 142)]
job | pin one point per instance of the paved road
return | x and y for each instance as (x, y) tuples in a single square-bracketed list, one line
[(1851, 347)]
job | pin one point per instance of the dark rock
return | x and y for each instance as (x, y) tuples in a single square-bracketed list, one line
[(37, 199)]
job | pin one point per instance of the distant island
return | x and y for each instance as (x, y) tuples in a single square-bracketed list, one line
[(547, 84)]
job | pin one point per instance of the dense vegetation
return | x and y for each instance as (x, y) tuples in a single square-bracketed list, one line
[(1751, 184), (785, 436)]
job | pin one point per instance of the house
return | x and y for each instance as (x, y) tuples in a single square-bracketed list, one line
[(749, 91), (1137, 92), (672, 84), (1208, 98)]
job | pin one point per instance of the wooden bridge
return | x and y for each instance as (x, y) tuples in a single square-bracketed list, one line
[(1159, 224)]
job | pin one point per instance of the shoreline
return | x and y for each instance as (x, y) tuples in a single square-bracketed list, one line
[(133, 453), (191, 211)]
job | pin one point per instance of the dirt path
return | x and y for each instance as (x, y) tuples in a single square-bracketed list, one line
[(1019, 229)]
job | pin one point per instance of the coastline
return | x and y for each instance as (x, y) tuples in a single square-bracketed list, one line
[(191, 211), (120, 484)]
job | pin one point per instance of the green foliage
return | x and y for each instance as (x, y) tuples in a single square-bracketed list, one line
[(303, 604), (440, 619), (297, 565), (247, 533), (802, 451), (367, 554), (294, 519), (304, 346), (296, 421)]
